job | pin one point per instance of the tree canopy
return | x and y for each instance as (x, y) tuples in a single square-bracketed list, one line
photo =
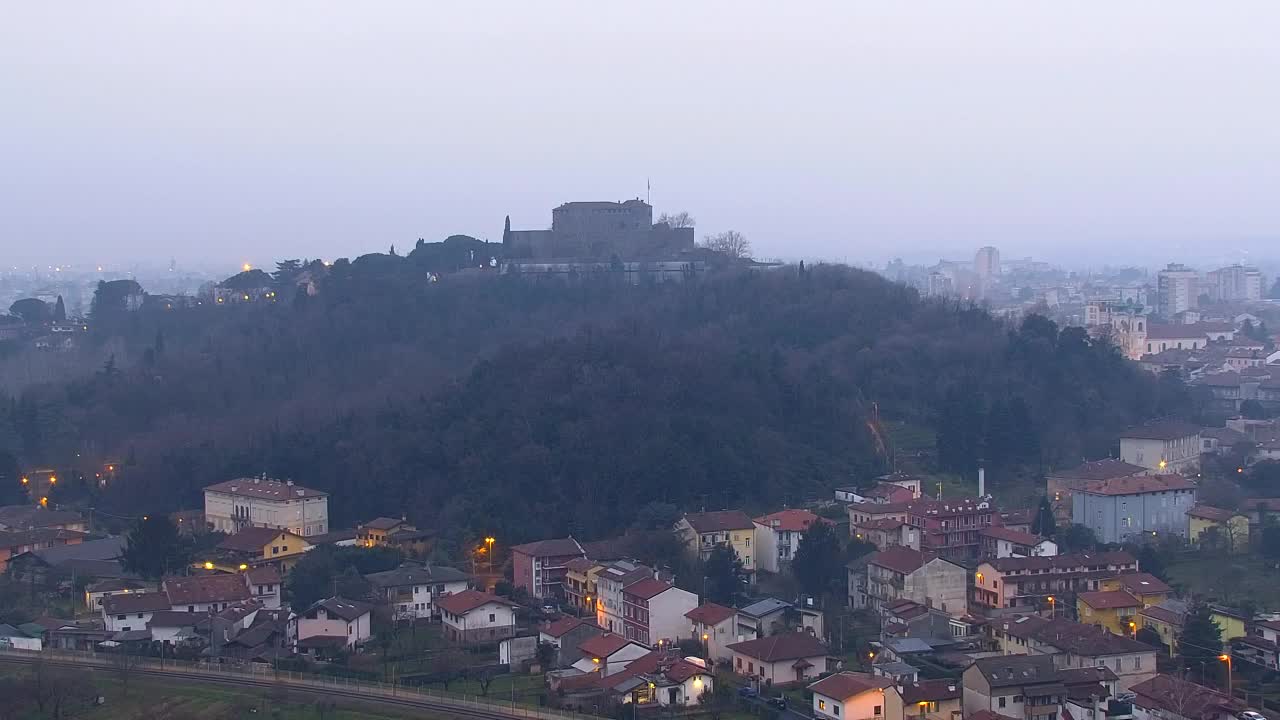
[(155, 548)]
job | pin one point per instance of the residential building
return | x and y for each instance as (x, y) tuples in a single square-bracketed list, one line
[(261, 502), (608, 654), (885, 533), (1178, 288), (24, 541), (1166, 620), (132, 611), (850, 695), (654, 610), (1027, 583), (205, 593), (1114, 610), (94, 592), (1234, 283), (1061, 485), (1117, 510), (1147, 588), (566, 634), (1014, 686), (173, 628), (998, 542), (1077, 645), (346, 620), (952, 528), (899, 573), (933, 699), (414, 590), (580, 592), (264, 543), (703, 532), (910, 619), (376, 532), (714, 625), (1233, 623), (1208, 525), (662, 679), (540, 567), (471, 617), (1167, 698), (778, 536), (16, 518), (611, 582), (780, 659), (1167, 446), (759, 618), (1260, 646), (266, 586)]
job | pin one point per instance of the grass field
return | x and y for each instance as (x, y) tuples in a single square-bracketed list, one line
[(1231, 582)]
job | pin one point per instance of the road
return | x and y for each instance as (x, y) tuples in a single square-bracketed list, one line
[(385, 695)]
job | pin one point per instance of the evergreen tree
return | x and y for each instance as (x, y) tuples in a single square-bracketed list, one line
[(155, 549), (1044, 523), (818, 561), (1201, 640), (723, 575)]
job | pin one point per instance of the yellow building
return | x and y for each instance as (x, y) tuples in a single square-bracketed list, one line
[(259, 543), (376, 531), (1232, 622), (1229, 529), (1147, 588), (1166, 621), (1115, 610), (702, 532)]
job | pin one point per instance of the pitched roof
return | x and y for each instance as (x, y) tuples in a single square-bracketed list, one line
[(764, 606), (1191, 331), (719, 521), (38, 536), (197, 589), (1014, 536), (1208, 512), (659, 665), (110, 548), (464, 602), (24, 517), (264, 575), (1099, 470), (1165, 614), (348, 610), (603, 645), (114, 585), (1069, 561), (900, 559), (709, 613), (555, 547), (382, 523), (988, 715), (260, 489), (844, 685), (564, 625), (1016, 670), (1161, 430), (881, 524), (250, 539), (413, 574), (1186, 699), (171, 618), (792, 520), (931, 691), (786, 646), (135, 603), (1141, 583), (1070, 636), (1139, 484), (1109, 599), (647, 588)]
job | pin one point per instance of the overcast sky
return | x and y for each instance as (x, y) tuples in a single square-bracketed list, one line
[(230, 131)]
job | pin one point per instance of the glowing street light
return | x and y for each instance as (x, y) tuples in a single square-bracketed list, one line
[(243, 567), (1227, 659), (1163, 464), (208, 565)]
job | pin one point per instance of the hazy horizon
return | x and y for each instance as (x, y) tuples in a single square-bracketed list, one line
[(1136, 132)]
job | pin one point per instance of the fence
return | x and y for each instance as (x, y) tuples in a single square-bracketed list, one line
[(258, 673)]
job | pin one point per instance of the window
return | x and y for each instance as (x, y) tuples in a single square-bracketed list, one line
[(191, 608), (139, 616), (493, 617), (1137, 662), (1017, 698), (822, 704), (835, 709), (877, 711), (121, 617), (751, 667), (739, 663), (1001, 702), (1117, 664)]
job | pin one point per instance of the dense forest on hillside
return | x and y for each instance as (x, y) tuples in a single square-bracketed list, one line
[(496, 405)]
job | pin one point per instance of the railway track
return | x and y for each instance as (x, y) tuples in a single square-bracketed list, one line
[(406, 699)]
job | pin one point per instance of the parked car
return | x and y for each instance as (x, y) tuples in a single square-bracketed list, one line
[(747, 692), (1251, 715), (779, 702)]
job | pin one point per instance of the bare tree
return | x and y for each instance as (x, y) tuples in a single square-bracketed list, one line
[(681, 219), (126, 665), (730, 242)]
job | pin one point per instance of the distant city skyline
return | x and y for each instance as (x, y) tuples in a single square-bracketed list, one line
[(233, 132)]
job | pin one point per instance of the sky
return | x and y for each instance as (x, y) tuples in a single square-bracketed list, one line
[(225, 132)]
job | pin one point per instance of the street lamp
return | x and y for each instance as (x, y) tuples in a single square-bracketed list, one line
[(1053, 605), (1227, 659), (923, 705), (208, 565), (1133, 629), (488, 542)]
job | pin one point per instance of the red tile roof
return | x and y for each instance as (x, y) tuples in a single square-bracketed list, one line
[(265, 575), (1143, 583), (197, 589), (1014, 536), (787, 646), (265, 489), (931, 691), (555, 547), (602, 646), (710, 614), (1208, 512), (1064, 562), (250, 539), (789, 520), (899, 559), (562, 626), (719, 521), (1162, 430), (647, 588), (464, 602), (844, 685), (1139, 484), (1109, 599), (1099, 470)]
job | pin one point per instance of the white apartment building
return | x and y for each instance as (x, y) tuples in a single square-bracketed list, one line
[(1179, 289), (261, 502)]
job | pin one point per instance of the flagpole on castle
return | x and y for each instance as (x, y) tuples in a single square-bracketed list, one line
[(648, 192)]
